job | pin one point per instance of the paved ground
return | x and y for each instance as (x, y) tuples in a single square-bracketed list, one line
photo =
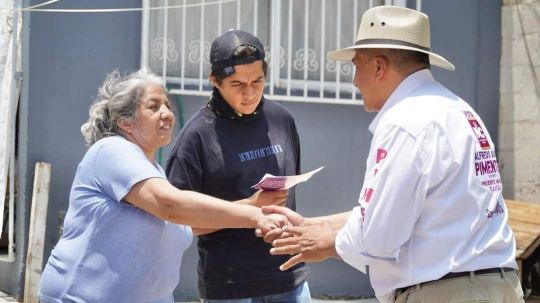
[(345, 301), (7, 299), (313, 300)]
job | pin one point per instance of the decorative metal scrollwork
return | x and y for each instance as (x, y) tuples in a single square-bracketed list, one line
[(194, 55), (157, 49), (281, 51), (345, 69), (7, 20), (300, 63)]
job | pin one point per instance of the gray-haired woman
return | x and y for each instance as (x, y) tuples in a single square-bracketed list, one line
[(122, 240)]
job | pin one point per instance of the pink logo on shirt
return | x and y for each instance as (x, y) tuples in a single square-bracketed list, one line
[(368, 192), (478, 131), (381, 154)]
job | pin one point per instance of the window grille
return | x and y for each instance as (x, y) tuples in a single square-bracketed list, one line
[(297, 34)]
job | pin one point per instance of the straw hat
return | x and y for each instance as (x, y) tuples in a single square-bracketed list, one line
[(393, 27)]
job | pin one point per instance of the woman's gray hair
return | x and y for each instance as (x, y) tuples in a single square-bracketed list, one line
[(117, 98)]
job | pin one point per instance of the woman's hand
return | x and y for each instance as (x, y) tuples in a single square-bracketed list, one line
[(267, 222), (293, 217)]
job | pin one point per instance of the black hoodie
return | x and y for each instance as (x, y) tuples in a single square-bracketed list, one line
[(222, 154)]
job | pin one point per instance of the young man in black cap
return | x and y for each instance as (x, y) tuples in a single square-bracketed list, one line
[(224, 149)]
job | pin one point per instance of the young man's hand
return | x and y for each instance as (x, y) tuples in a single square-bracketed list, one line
[(275, 197)]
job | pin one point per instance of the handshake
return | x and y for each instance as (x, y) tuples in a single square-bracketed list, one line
[(306, 239)]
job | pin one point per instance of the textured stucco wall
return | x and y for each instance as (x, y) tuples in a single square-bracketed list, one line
[(519, 114)]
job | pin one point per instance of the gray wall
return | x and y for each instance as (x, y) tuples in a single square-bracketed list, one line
[(69, 54), (69, 57), (468, 33)]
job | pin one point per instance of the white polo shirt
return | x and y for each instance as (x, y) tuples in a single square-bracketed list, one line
[(431, 202)]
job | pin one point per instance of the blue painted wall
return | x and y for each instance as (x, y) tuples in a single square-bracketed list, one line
[(65, 58), (68, 55)]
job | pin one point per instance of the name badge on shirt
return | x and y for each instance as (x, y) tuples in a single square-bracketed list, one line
[(478, 131), (485, 160)]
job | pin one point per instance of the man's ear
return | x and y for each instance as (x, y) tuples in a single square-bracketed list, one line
[(382, 66), (125, 125), (212, 80)]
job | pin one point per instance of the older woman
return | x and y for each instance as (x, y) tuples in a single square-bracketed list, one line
[(122, 239)]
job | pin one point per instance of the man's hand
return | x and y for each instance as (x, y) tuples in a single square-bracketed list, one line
[(313, 243)]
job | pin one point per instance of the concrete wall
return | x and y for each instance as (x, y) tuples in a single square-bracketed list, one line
[(519, 118), (68, 56)]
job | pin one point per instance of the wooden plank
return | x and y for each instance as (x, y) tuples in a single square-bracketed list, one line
[(530, 249), (36, 238), (523, 211), (525, 233), (524, 219)]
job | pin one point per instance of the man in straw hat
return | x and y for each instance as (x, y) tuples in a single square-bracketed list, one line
[(431, 223)]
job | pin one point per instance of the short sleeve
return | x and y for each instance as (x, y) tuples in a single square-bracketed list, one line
[(184, 174), (184, 167), (119, 165), (296, 146)]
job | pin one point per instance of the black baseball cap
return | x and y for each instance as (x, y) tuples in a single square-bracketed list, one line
[(222, 51)]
